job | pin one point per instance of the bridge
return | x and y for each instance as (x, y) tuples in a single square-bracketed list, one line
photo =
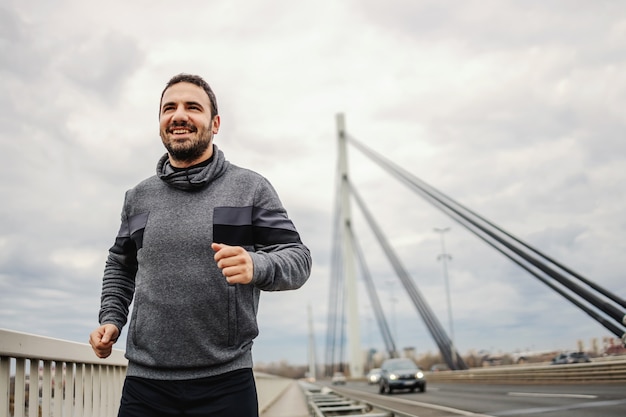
[(600, 304), (61, 366)]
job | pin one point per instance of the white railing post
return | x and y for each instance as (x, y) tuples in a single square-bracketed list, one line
[(33, 389), (79, 385), (68, 389), (46, 388), (88, 412), (4, 384), (57, 389)]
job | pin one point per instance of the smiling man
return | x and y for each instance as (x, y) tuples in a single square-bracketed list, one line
[(198, 242)]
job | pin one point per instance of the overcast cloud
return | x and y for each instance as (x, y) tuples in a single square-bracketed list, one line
[(516, 109)]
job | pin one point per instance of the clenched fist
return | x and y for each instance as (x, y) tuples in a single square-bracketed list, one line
[(235, 263), (103, 338)]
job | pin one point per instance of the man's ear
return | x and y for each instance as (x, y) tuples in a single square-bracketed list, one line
[(215, 124)]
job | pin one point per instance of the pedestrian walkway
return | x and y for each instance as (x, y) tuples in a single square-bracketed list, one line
[(280, 397)]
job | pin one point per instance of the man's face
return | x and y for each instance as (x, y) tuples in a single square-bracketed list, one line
[(185, 124)]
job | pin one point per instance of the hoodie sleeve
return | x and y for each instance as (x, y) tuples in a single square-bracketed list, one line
[(118, 283), (281, 260)]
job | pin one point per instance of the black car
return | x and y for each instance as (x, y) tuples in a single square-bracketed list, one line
[(571, 357), (401, 373)]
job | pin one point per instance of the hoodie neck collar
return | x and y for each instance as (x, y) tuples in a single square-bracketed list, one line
[(194, 177)]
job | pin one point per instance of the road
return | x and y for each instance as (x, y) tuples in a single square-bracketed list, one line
[(445, 399)]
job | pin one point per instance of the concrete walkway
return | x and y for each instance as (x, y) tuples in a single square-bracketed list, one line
[(280, 397)]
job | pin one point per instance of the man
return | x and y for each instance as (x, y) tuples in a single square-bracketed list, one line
[(197, 244)]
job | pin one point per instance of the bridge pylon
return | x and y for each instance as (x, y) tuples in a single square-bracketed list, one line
[(355, 361)]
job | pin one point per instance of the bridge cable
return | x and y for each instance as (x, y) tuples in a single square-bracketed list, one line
[(464, 216), (441, 338), (374, 300)]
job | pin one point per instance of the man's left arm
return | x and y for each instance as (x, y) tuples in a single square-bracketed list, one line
[(281, 261)]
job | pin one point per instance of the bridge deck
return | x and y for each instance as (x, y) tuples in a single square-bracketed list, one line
[(280, 397)]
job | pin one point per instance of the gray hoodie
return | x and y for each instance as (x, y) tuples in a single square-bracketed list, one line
[(187, 321)]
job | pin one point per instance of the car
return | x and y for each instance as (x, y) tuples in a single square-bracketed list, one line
[(570, 357), (438, 367), (401, 373), (373, 376), (338, 379)]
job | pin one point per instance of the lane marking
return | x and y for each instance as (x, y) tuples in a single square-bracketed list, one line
[(417, 403), (543, 410), (545, 395)]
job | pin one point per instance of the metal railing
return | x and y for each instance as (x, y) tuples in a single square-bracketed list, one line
[(611, 370), (41, 376), (325, 402)]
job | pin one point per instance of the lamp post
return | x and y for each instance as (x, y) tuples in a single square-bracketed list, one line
[(392, 300), (444, 257)]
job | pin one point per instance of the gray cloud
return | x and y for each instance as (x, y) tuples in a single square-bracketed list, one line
[(101, 64)]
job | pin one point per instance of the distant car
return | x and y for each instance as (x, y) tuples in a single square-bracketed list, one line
[(401, 373), (571, 357), (338, 379), (439, 367), (373, 376)]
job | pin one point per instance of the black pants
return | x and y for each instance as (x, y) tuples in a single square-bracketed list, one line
[(228, 395)]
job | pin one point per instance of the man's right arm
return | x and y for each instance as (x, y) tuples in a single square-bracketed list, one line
[(118, 288)]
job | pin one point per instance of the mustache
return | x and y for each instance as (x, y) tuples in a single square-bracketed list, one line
[(185, 125)]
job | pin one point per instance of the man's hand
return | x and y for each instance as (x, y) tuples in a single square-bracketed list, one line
[(103, 338), (235, 263)]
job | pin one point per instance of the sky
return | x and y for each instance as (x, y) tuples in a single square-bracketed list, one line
[(516, 109)]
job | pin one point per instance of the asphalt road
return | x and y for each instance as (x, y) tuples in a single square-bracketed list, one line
[(444, 399)]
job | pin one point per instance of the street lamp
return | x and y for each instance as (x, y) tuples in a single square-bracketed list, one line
[(393, 301), (444, 257)]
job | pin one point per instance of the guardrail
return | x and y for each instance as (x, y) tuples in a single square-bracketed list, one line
[(66, 378), (603, 371), (324, 402)]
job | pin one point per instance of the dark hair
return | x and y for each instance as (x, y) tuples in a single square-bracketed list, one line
[(195, 80)]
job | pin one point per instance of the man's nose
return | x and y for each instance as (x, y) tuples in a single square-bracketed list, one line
[(180, 114)]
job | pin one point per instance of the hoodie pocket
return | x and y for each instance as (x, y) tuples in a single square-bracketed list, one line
[(232, 315)]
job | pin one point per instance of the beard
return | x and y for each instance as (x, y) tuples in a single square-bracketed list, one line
[(190, 150)]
